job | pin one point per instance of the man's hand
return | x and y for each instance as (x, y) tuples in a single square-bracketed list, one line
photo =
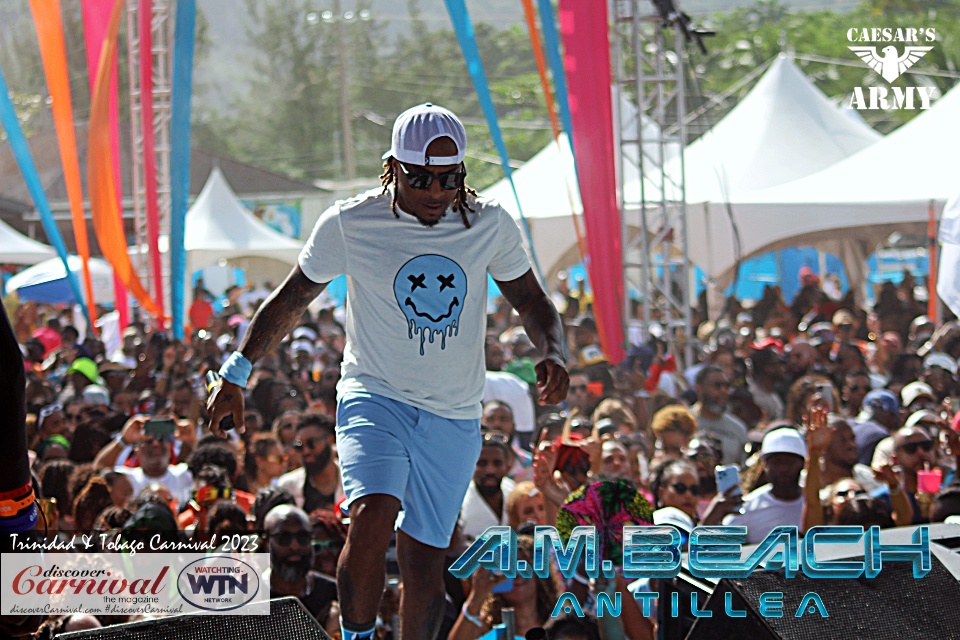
[(132, 431), (552, 381), (226, 400)]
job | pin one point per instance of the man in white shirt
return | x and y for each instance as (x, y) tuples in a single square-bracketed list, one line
[(417, 255), (779, 503), (485, 504)]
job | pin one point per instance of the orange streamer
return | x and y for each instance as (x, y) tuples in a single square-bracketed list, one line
[(101, 178), (530, 15), (46, 17)]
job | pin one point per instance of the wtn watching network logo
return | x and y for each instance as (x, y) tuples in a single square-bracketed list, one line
[(885, 58), (218, 583)]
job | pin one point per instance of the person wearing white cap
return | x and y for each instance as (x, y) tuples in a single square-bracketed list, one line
[(780, 502), (940, 372), (408, 413)]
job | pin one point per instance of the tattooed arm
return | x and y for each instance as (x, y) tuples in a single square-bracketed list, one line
[(279, 314), (542, 324), (277, 317)]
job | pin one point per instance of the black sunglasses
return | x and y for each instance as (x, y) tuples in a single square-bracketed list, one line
[(284, 538), (681, 488), (911, 447), (495, 437), (449, 181), (309, 443)]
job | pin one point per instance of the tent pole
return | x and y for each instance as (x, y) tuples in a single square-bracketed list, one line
[(932, 297)]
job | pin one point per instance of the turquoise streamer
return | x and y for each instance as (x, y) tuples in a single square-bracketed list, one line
[(468, 45), (21, 152), (182, 85), (551, 42)]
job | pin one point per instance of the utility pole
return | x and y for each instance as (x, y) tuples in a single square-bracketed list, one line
[(346, 126)]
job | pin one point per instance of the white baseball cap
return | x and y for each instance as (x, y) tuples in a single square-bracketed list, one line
[(941, 360), (416, 128), (785, 440), (916, 390), (674, 516)]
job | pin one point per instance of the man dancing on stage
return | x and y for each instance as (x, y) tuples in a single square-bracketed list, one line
[(417, 255)]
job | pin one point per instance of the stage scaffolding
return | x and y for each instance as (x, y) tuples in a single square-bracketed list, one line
[(648, 48), (161, 54)]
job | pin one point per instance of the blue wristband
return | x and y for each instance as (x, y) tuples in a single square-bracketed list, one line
[(236, 369), (23, 522)]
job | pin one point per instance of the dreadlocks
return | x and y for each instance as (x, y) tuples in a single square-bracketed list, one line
[(460, 203)]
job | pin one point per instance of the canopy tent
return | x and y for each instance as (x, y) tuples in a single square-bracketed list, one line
[(47, 281), (16, 248), (219, 227), (850, 207), (550, 197), (785, 128)]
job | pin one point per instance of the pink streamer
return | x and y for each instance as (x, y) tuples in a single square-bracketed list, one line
[(584, 30), (144, 14), (96, 19)]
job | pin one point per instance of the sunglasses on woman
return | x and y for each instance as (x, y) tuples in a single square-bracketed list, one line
[(449, 181), (911, 447), (681, 488)]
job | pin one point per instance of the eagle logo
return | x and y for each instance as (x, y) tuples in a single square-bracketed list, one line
[(890, 65)]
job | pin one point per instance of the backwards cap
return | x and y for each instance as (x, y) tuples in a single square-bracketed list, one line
[(416, 128)]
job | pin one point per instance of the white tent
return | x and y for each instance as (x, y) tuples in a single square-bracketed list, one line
[(218, 227), (783, 129), (550, 197), (16, 248), (849, 207), (47, 281)]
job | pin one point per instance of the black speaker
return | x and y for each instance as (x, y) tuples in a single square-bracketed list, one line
[(288, 619), (892, 605)]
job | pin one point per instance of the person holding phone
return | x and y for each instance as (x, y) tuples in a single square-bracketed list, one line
[(532, 599), (417, 255), (152, 441)]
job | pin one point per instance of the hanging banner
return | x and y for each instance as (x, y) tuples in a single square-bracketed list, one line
[(145, 18), (184, 37), (468, 45), (584, 29), (96, 18), (49, 25), (101, 180), (21, 152)]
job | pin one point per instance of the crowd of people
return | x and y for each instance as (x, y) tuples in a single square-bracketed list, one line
[(831, 413)]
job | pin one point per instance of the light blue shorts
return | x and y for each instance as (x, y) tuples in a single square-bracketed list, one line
[(423, 460)]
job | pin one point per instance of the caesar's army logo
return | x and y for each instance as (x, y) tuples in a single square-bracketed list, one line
[(891, 53)]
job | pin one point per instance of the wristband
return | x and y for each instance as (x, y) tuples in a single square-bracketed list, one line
[(236, 369), (471, 618), (23, 522)]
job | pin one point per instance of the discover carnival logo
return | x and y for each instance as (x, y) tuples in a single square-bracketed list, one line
[(884, 56)]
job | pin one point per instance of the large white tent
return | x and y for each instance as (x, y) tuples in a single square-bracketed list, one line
[(784, 129), (218, 227), (849, 207), (16, 248), (550, 197)]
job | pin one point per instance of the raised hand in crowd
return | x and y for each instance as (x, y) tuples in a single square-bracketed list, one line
[(818, 436)]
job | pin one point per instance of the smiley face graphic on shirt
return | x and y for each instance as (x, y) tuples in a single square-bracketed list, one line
[(431, 290)]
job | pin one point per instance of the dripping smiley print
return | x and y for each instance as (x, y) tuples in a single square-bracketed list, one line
[(430, 290)]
